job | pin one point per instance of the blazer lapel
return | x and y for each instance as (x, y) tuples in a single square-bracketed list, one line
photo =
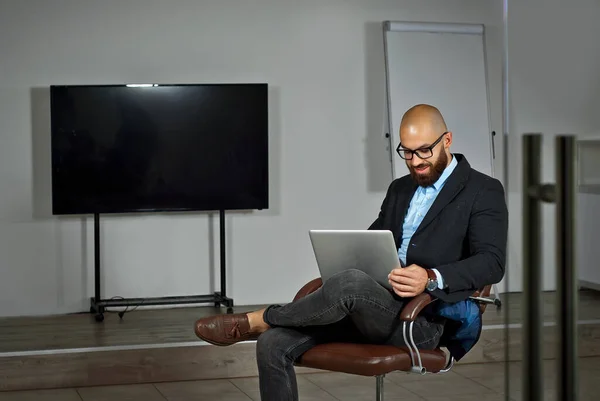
[(456, 182)]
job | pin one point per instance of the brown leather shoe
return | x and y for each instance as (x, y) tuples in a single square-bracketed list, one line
[(225, 330)]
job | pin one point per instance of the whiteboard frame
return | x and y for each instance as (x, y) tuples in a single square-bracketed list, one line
[(436, 27)]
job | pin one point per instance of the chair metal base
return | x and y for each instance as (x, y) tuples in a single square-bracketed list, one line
[(379, 379), (448, 366), (379, 388)]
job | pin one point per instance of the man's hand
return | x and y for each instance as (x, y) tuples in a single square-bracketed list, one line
[(408, 281)]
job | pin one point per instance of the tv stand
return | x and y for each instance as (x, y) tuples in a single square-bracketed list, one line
[(98, 304)]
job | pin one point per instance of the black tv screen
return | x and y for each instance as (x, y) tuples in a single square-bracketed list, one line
[(145, 148)]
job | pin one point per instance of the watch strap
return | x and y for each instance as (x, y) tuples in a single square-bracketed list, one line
[(432, 283)]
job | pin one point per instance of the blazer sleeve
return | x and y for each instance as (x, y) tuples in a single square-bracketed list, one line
[(486, 238)]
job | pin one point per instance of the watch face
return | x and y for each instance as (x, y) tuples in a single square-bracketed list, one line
[(431, 285)]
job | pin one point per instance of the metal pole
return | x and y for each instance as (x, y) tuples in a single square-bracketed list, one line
[(222, 252), (566, 272), (505, 97), (97, 293), (379, 388), (505, 165), (532, 277)]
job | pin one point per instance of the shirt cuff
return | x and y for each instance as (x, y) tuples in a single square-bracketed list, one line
[(440, 280)]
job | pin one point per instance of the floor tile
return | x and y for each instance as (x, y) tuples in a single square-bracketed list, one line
[(551, 396), (446, 384), (41, 395), (407, 377), (346, 387), (492, 375), (319, 395), (134, 392), (589, 382), (477, 370), (250, 384), (589, 364), (214, 390), (468, 397)]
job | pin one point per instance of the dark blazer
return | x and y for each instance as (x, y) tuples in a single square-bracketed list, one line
[(463, 235)]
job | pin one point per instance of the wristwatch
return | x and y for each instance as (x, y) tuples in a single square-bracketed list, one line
[(432, 283)]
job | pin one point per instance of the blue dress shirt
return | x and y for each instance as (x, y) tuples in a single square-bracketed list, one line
[(419, 206)]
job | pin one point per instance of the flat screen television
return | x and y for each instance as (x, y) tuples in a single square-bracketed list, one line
[(159, 148)]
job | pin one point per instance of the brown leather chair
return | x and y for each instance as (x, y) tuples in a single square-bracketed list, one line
[(379, 360)]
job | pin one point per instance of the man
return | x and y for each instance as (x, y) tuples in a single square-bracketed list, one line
[(450, 223)]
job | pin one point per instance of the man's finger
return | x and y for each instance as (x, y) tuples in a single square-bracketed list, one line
[(406, 271), (405, 294), (402, 287), (404, 280), (412, 274)]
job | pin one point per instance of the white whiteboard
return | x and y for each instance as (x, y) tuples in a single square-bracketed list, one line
[(443, 65)]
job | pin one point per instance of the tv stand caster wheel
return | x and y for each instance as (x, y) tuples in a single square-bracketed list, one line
[(230, 310), (100, 317)]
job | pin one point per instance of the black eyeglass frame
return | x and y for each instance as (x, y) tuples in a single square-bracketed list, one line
[(429, 148)]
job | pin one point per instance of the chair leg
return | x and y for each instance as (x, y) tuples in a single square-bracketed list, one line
[(379, 388)]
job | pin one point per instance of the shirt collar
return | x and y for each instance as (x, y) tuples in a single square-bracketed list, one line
[(447, 171)]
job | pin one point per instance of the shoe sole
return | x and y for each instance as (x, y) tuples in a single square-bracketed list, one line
[(218, 344), (203, 338)]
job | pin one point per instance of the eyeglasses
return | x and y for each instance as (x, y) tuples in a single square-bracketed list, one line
[(422, 153)]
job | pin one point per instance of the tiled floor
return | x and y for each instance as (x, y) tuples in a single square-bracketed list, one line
[(465, 383)]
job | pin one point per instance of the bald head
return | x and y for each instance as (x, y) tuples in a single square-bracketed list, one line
[(421, 120), (423, 132)]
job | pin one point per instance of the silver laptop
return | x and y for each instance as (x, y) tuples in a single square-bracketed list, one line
[(371, 251)]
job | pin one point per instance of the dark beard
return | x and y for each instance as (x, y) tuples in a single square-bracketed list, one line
[(435, 172)]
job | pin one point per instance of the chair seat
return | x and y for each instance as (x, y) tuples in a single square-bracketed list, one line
[(367, 359)]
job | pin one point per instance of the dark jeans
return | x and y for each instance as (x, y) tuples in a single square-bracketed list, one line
[(349, 307)]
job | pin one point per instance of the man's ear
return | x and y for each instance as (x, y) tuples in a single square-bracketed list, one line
[(448, 139)]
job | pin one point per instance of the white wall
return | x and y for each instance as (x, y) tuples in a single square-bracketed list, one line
[(329, 163), (588, 251), (554, 59)]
